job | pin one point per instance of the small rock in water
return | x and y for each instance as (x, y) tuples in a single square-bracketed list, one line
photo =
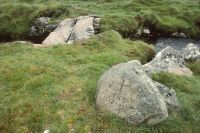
[(127, 91), (177, 34)]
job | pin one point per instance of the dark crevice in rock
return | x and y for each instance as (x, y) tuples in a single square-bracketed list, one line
[(73, 26)]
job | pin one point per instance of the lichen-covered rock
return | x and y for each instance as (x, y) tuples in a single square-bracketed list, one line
[(191, 52), (169, 95), (83, 29), (168, 60), (41, 27), (126, 91)]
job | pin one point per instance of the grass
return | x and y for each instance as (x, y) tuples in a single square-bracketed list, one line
[(161, 17), (54, 87), (188, 92)]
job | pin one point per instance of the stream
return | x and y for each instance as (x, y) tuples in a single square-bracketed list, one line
[(177, 43)]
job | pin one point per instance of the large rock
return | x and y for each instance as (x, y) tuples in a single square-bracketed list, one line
[(191, 52), (83, 29), (169, 95), (126, 91), (41, 27), (61, 34), (168, 60), (72, 30)]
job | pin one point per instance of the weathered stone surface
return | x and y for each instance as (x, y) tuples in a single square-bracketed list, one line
[(169, 95), (168, 60), (126, 91), (191, 52), (41, 27), (83, 29), (61, 34), (72, 30)]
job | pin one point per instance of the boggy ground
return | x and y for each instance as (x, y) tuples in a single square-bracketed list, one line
[(55, 87)]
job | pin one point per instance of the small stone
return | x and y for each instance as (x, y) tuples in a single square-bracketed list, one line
[(47, 131), (146, 31)]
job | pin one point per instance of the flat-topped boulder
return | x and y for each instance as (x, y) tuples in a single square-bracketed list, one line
[(128, 92), (168, 60)]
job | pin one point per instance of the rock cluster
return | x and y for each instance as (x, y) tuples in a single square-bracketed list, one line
[(128, 92), (69, 31)]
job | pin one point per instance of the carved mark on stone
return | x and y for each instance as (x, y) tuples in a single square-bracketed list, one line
[(122, 85), (121, 96)]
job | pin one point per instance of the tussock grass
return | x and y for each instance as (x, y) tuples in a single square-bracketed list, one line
[(195, 67), (188, 92)]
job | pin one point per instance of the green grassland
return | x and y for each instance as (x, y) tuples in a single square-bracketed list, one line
[(54, 88), (162, 17)]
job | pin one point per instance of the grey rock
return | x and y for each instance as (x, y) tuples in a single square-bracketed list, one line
[(96, 23), (146, 31), (139, 32), (41, 26), (72, 30), (83, 29), (177, 34), (61, 34), (143, 31), (191, 52), (126, 91), (169, 95), (168, 60)]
